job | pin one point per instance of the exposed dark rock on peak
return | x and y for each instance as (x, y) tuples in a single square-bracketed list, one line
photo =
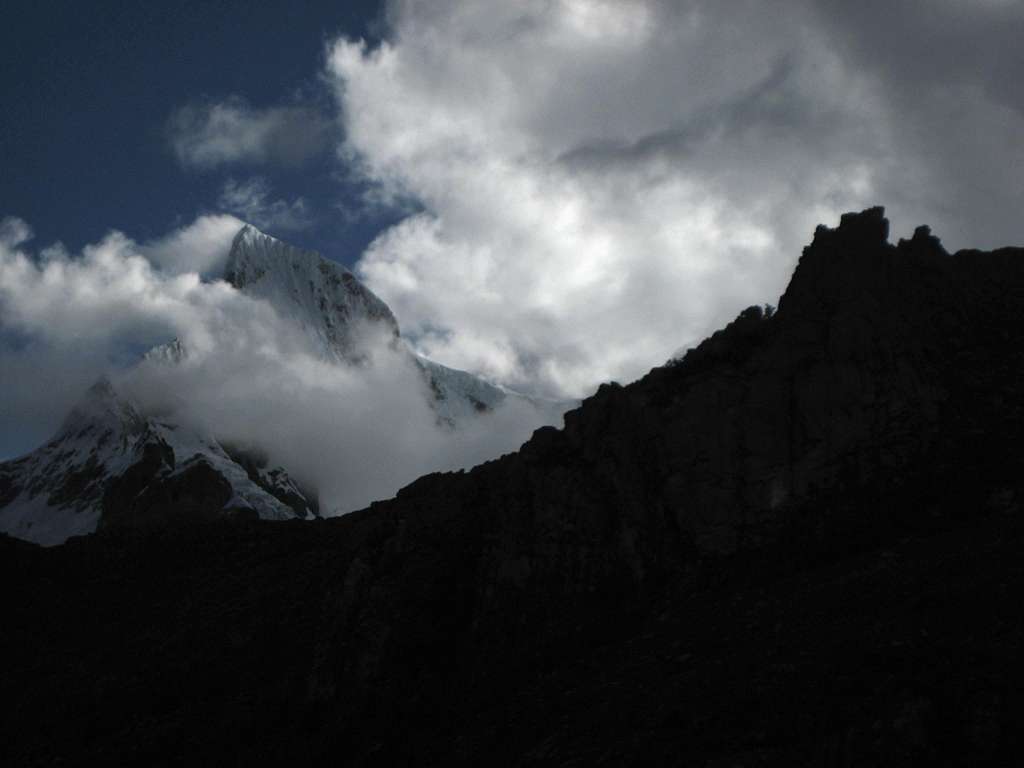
[(868, 225), (842, 264), (797, 545)]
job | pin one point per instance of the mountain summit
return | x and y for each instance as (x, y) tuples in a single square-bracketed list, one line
[(344, 320), (320, 296)]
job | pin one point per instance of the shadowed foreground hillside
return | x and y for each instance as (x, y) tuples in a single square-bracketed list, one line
[(799, 545)]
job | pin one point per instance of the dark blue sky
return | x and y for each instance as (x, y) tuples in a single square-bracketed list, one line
[(88, 89)]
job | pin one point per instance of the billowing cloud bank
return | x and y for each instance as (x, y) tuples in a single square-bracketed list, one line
[(356, 434), (602, 182)]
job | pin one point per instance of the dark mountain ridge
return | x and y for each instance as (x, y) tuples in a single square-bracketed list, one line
[(796, 545)]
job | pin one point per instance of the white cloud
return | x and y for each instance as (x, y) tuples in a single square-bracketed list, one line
[(14, 232), (604, 182), (111, 295), (251, 200), (201, 246), (582, 220), (212, 134), (357, 434), (66, 318)]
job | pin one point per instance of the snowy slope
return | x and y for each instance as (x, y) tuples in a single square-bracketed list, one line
[(56, 491), (320, 296), (459, 395), (63, 488)]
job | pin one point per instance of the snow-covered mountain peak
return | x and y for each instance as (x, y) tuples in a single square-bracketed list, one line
[(102, 407), (109, 460), (324, 298)]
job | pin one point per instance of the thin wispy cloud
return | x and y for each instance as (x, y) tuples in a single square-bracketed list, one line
[(231, 132), (252, 200)]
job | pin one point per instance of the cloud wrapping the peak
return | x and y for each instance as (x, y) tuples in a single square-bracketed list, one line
[(67, 318), (356, 434), (604, 182), (110, 295), (202, 246), (212, 134)]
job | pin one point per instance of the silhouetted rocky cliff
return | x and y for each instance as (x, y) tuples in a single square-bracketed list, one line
[(797, 545)]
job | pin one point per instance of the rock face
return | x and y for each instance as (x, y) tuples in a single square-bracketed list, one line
[(797, 545), (884, 367)]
